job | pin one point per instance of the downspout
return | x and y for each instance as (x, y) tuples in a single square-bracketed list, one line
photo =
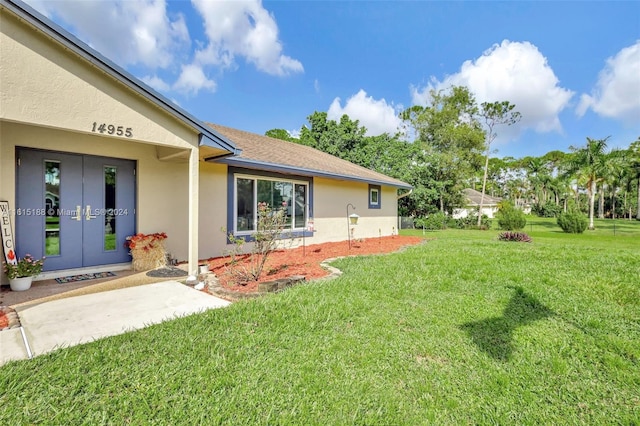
[(406, 194)]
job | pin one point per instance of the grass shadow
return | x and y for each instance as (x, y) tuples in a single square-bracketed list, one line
[(494, 335)]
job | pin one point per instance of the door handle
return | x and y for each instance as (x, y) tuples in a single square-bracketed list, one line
[(78, 215), (88, 213)]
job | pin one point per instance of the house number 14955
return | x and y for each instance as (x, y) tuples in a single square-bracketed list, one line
[(110, 129)]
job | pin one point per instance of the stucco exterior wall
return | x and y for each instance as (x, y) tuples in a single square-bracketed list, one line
[(331, 198), (213, 210), (162, 187)]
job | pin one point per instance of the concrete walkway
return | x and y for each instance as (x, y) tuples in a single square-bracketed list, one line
[(80, 319)]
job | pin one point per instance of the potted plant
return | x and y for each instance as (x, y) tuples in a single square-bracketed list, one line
[(22, 272)]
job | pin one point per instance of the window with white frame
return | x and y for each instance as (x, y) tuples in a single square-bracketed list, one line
[(374, 196), (278, 193)]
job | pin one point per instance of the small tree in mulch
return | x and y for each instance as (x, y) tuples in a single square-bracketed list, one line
[(147, 251), (269, 233)]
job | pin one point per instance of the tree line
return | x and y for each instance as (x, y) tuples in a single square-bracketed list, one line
[(446, 147)]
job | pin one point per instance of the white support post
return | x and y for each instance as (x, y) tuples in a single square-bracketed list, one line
[(193, 210)]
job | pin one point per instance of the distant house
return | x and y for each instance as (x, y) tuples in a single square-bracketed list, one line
[(90, 155), (473, 197)]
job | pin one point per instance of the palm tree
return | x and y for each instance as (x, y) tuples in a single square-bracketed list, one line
[(628, 186), (562, 191), (564, 180), (537, 173), (590, 161), (516, 189), (616, 171)]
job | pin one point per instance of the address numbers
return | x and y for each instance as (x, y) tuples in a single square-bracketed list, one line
[(112, 129)]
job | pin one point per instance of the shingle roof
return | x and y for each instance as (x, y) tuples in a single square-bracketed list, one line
[(474, 198), (266, 153)]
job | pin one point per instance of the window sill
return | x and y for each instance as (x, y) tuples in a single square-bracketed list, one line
[(249, 236)]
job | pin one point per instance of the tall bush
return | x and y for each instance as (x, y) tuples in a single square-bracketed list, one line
[(432, 222), (270, 230), (509, 217), (471, 222), (573, 222), (547, 209)]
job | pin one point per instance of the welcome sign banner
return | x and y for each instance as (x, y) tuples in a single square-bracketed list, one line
[(7, 234)]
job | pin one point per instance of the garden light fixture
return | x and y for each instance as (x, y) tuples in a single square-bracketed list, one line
[(353, 219)]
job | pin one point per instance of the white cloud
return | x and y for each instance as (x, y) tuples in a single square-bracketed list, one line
[(142, 33), (246, 29), (617, 92), (295, 133), (316, 85), (511, 71), (192, 79), (376, 115), (127, 32)]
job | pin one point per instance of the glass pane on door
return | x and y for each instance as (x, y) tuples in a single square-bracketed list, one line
[(52, 208), (109, 208)]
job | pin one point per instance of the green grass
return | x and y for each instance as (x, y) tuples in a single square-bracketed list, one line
[(464, 329), (52, 246), (109, 242)]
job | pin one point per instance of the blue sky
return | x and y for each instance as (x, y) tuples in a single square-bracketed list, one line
[(571, 68)]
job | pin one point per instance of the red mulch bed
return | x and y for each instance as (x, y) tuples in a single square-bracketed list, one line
[(306, 261)]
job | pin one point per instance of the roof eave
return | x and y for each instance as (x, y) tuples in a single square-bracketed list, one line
[(206, 140), (51, 29), (280, 168)]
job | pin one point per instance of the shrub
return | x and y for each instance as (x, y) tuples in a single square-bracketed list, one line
[(270, 229), (451, 222), (573, 222), (471, 222), (432, 222), (546, 209), (519, 237), (509, 217)]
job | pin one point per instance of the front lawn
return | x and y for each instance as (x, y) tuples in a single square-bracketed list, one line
[(464, 329)]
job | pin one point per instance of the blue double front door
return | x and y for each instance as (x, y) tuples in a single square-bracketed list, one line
[(75, 210)]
